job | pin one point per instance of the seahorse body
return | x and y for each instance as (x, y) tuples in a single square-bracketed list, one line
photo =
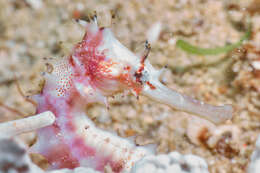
[(100, 66), (89, 74)]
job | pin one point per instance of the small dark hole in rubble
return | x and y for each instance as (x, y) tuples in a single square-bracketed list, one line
[(185, 167), (10, 146)]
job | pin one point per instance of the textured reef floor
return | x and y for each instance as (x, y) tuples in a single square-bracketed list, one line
[(31, 31)]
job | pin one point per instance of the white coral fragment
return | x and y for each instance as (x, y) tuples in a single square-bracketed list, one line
[(197, 129), (29, 124), (171, 163)]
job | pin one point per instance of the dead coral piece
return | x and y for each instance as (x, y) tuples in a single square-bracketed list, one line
[(24, 125), (199, 130), (171, 163), (225, 140)]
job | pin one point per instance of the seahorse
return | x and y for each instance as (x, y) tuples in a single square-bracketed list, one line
[(98, 67)]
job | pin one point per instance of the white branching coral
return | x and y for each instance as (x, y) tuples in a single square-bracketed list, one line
[(172, 163)]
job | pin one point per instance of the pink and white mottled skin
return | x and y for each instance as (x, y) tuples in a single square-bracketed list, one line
[(100, 66)]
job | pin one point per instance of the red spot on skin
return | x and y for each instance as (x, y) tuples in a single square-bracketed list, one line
[(102, 163), (76, 14), (71, 61), (138, 74), (128, 68), (70, 126), (60, 157), (127, 79), (55, 126), (82, 148), (117, 166), (151, 85)]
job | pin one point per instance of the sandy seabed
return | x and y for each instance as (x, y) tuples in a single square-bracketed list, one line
[(31, 30)]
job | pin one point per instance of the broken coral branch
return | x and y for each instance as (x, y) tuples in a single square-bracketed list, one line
[(16, 127)]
